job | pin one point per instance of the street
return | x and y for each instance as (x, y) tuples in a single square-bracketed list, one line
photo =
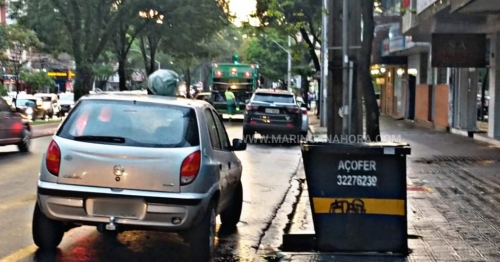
[(267, 173)]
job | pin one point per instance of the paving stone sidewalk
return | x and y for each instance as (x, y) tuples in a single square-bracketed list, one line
[(453, 197)]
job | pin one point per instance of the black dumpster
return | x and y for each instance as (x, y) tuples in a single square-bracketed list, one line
[(358, 196)]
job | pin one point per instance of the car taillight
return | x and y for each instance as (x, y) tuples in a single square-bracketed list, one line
[(293, 110), (304, 111), (53, 158), (252, 108), (190, 168)]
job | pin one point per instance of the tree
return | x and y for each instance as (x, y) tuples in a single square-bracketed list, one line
[(38, 80), (189, 39), (270, 57), (292, 16), (18, 39), (89, 26), (126, 34), (41, 17)]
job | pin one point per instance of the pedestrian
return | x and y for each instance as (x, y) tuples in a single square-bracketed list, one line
[(231, 102)]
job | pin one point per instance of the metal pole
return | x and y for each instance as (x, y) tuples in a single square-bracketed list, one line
[(349, 104), (289, 80), (345, 75), (324, 68)]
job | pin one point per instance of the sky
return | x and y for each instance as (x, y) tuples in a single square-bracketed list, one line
[(242, 8)]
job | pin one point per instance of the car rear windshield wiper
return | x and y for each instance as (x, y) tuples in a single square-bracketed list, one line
[(109, 139)]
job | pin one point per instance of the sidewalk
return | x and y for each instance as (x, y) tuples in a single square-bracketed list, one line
[(453, 198)]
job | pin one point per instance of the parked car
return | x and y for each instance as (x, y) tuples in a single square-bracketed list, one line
[(31, 106), (67, 101), (50, 104), (203, 96), (272, 112), (305, 115), (132, 162), (15, 128)]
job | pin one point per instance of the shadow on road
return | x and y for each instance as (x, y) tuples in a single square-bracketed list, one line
[(13, 153), (139, 246)]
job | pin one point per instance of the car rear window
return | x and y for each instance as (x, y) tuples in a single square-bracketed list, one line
[(274, 98), (132, 123)]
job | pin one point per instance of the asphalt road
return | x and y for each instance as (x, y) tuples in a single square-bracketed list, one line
[(268, 170)]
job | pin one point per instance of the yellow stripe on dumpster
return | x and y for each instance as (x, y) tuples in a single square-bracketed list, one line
[(391, 207)]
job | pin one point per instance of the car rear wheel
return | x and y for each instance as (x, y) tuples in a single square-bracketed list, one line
[(231, 216), (25, 143), (248, 136), (47, 233), (202, 236)]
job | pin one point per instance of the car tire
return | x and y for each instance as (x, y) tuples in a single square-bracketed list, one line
[(248, 137), (231, 216), (47, 233), (202, 236), (51, 115), (25, 143)]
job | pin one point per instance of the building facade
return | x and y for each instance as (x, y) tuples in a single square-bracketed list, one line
[(452, 73)]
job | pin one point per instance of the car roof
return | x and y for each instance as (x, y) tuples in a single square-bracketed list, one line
[(167, 100), (273, 91)]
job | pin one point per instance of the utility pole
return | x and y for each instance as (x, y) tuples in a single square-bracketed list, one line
[(346, 124), (323, 92), (289, 53), (289, 80)]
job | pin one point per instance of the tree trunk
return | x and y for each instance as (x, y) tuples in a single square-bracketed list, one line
[(83, 80), (312, 49), (372, 110), (188, 82), (122, 75)]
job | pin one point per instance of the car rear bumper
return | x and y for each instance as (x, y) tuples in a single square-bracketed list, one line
[(71, 203), (273, 129)]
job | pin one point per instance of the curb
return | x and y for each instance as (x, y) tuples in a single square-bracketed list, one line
[(44, 130), (483, 139)]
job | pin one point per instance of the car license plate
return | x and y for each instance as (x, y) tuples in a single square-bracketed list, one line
[(272, 111), (123, 209)]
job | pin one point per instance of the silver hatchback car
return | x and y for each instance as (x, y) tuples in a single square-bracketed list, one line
[(139, 162)]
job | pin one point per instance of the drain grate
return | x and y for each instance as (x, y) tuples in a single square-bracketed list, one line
[(455, 159)]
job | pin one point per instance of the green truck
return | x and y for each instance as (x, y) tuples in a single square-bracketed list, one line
[(241, 79)]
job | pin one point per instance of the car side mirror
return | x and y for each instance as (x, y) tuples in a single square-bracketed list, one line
[(247, 101), (238, 145)]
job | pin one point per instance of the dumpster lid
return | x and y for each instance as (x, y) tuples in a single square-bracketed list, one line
[(385, 148)]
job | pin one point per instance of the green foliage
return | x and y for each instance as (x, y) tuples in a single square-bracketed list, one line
[(103, 71), (3, 90), (41, 17), (37, 80), (16, 37), (271, 58)]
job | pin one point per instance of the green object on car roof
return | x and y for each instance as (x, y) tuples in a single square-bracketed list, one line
[(163, 83)]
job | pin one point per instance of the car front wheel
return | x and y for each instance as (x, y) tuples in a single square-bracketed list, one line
[(47, 233)]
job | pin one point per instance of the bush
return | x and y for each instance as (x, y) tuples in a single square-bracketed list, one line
[(3, 90)]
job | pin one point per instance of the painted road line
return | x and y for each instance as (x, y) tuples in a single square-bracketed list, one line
[(391, 207), (74, 236)]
